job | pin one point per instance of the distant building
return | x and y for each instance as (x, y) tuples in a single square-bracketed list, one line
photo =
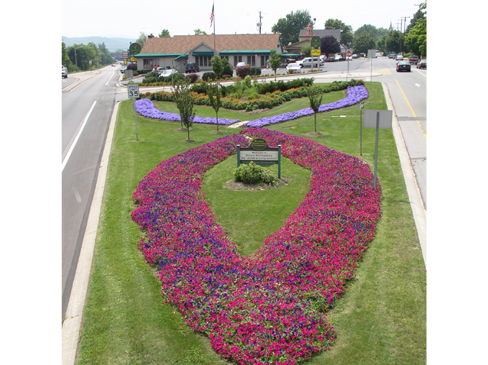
[(176, 51), (306, 35)]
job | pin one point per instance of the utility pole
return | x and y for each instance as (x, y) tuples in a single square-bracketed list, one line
[(260, 23)]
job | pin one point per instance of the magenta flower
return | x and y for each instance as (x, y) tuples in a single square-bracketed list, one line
[(268, 307)]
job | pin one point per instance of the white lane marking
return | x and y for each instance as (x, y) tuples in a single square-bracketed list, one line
[(113, 73), (66, 158)]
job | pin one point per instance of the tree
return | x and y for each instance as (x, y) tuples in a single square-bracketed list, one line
[(289, 27), (306, 50), (274, 61), (416, 39), (184, 102), (105, 57), (315, 95), (363, 43), (217, 66), (164, 33), (346, 35), (227, 67), (393, 41), (65, 61), (329, 45), (213, 92), (142, 39), (200, 32)]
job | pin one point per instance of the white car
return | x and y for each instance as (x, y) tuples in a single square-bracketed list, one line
[(64, 72), (240, 64), (399, 57), (337, 57), (307, 62), (293, 67), (167, 72)]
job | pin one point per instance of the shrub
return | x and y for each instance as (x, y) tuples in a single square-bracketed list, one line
[(228, 71), (254, 174), (192, 77), (209, 76), (201, 87), (226, 76), (255, 70), (243, 71)]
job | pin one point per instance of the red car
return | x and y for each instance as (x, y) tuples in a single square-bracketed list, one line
[(403, 66)]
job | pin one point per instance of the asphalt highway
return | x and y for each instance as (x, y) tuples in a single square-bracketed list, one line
[(87, 103)]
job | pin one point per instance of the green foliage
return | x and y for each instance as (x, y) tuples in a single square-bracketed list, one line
[(255, 70), (306, 50), (164, 33), (214, 93), (227, 67), (184, 101), (275, 61), (416, 39), (346, 35), (142, 39), (254, 174), (209, 76), (363, 42), (192, 77), (217, 66), (289, 27), (315, 95)]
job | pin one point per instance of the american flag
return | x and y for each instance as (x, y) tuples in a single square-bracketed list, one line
[(212, 16)]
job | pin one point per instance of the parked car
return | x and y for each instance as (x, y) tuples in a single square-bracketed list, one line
[(422, 64), (362, 55), (392, 55), (64, 72), (240, 64), (307, 62), (413, 59), (122, 70), (337, 57), (191, 67), (293, 67), (399, 57), (166, 72), (354, 56), (331, 59), (403, 66)]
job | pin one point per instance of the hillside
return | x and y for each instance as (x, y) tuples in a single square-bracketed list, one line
[(112, 44)]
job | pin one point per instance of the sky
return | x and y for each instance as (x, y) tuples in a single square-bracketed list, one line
[(112, 19)]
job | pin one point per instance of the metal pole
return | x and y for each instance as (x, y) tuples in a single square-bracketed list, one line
[(360, 131), (279, 161), (376, 148), (371, 68), (238, 155)]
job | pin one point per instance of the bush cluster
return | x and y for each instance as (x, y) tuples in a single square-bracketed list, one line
[(254, 174)]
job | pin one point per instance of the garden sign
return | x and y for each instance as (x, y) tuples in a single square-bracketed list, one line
[(260, 153)]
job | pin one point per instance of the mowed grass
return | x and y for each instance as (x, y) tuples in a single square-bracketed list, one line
[(380, 320)]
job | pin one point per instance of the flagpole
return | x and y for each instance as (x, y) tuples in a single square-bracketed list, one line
[(214, 25)]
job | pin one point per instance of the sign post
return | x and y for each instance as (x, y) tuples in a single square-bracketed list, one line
[(133, 93), (361, 107), (315, 51), (260, 153), (371, 54), (348, 55), (377, 119)]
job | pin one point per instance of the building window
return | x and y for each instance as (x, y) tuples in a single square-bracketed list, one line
[(237, 59), (251, 60), (203, 60), (148, 64), (264, 60)]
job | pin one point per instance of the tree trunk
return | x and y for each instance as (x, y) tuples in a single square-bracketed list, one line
[(315, 121)]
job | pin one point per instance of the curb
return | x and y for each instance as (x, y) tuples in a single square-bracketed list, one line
[(418, 211), (71, 330)]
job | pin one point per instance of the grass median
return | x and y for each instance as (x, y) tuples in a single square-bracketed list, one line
[(382, 317)]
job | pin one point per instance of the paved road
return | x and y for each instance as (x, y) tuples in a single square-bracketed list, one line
[(87, 103)]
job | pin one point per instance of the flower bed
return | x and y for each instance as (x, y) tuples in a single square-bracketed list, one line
[(268, 308), (354, 95), (146, 108)]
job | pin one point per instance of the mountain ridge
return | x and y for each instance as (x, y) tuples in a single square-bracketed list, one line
[(112, 43)]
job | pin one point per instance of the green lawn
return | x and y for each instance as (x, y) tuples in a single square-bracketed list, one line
[(380, 320)]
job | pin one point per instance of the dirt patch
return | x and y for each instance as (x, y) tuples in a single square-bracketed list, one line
[(181, 129), (314, 134), (189, 140), (233, 185)]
